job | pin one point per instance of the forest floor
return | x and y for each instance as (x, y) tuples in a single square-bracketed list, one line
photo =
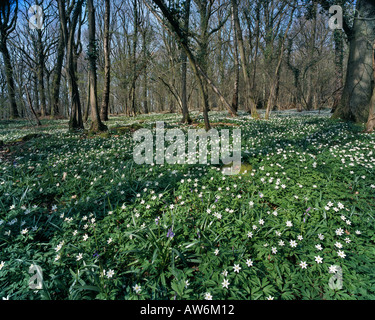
[(298, 223)]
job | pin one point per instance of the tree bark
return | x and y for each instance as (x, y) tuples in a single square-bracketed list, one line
[(55, 110), (86, 115), (310, 80), (96, 123), (134, 58), (183, 58), (236, 68), (356, 99), (10, 80), (202, 56), (145, 78), (107, 62), (40, 73), (7, 26), (245, 66), (339, 67), (76, 121), (31, 107), (276, 78), (370, 126)]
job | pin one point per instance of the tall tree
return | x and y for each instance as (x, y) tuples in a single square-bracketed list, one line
[(202, 77), (278, 56), (339, 67), (183, 58), (358, 90), (69, 20), (8, 20), (134, 57), (311, 53), (147, 33), (40, 66), (96, 123), (236, 68), (244, 62), (370, 126), (107, 62), (56, 79)]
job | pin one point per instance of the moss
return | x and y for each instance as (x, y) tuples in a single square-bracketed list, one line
[(201, 125), (105, 135), (126, 129), (245, 168)]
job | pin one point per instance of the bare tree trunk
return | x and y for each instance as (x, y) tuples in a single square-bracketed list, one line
[(185, 110), (48, 90), (236, 68), (276, 78), (339, 67), (76, 121), (36, 92), (296, 101), (358, 90), (40, 73), (10, 80), (86, 115), (107, 62), (245, 67), (255, 58), (96, 123), (134, 58), (7, 26), (370, 126), (56, 81), (31, 107), (311, 76), (145, 79)]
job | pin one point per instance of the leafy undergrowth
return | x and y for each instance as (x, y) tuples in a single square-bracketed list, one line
[(297, 224)]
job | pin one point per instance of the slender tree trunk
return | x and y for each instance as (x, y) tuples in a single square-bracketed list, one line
[(339, 67), (185, 110), (296, 75), (311, 76), (274, 90), (370, 126), (134, 58), (40, 74), (48, 91), (96, 123), (236, 69), (145, 92), (107, 62), (86, 115), (36, 92), (206, 109), (31, 107), (255, 60), (245, 70), (145, 78), (56, 81)]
